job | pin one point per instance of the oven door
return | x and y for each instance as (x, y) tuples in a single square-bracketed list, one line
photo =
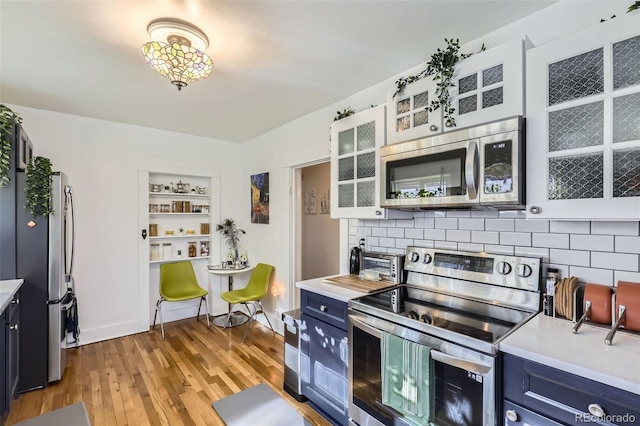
[(463, 385)]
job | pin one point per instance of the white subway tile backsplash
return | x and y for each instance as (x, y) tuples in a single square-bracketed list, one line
[(499, 224), (592, 275), (569, 227), (485, 237), (434, 234), (542, 253), (593, 251), (458, 213), (379, 232), (497, 249), (512, 214), (404, 223), (423, 243), (446, 223), (475, 224), (460, 236), (416, 233), (550, 240), (424, 222), (373, 241), (569, 257), (634, 277), (627, 244), (515, 238), (591, 242), (617, 261), (615, 228), (445, 245), (471, 247), (485, 213), (395, 232), (387, 242), (526, 225), (402, 243)]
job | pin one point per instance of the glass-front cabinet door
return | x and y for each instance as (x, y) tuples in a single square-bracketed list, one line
[(583, 124), (354, 163), (408, 116)]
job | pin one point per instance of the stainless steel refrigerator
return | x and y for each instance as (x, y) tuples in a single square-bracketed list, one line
[(48, 306)]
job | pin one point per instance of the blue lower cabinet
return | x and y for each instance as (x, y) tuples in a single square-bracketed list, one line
[(324, 366)]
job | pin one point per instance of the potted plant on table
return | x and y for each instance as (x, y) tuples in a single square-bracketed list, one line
[(232, 234)]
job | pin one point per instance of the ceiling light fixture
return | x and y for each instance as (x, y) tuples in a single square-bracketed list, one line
[(177, 51)]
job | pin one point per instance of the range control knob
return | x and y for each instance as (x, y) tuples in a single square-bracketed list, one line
[(524, 270), (414, 315), (427, 259), (413, 256), (504, 268), (512, 415)]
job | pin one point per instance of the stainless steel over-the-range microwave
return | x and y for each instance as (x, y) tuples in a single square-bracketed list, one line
[(480, 166)]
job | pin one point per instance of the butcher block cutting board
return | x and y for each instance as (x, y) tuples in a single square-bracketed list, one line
[(355, 283)]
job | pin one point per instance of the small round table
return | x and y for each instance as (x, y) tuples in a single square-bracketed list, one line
[(234, 319)]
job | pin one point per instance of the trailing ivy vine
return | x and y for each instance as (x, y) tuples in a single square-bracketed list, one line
[(343, 114), (441, 66), (7, 119), (38, 187)]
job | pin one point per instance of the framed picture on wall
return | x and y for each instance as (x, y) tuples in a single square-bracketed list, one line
[(310, 202), (325, 204), (260, 198)]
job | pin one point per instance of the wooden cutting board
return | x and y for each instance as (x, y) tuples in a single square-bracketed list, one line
[(355, 283)]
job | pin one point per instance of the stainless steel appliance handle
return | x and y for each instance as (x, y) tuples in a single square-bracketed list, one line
[(470, 167), (366, 327), (463, 364)]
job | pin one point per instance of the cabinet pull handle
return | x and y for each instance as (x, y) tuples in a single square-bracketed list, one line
[(323, 308), (596, 410), (512, 415)]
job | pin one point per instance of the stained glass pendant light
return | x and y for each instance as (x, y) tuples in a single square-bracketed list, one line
[(176, 51)]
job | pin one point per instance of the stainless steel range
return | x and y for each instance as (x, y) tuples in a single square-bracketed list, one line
[(458, 304)]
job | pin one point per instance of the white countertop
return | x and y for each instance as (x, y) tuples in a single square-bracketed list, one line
[(8, 289), (550, 341), (317, 285)]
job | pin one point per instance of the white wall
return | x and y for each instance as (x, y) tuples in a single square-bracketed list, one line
[(307, 138), (102, 160)]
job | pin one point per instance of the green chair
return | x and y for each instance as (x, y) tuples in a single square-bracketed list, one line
[(178, 282), (255, 290)]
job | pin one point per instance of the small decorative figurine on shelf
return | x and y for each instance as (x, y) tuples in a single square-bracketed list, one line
[(204, 248)]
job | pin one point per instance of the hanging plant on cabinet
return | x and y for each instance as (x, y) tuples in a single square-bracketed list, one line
[(441, 66), (38, 187), (7, 120)]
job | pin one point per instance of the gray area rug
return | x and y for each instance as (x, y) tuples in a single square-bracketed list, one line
[(72, 415), (258, 405)]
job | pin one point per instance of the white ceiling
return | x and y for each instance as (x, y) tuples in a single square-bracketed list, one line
[(274, 61)]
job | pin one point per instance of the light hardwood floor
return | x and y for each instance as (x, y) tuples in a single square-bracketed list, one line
[(143, 380)]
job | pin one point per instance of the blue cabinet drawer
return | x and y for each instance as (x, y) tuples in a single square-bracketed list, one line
[(324, 308), (566, 397)]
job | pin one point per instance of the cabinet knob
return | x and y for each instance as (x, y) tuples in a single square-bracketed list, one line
[(596, 410), (15, 302), (378, 213), (433, 127), (13, 327), (512, 415), (323, 308), (448, 123), (535, 210)]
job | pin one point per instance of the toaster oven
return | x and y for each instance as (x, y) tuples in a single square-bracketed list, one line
[(390, 267)]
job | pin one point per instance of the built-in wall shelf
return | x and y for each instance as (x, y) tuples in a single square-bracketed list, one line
[(185, 236), (178, 194), (179, 259)]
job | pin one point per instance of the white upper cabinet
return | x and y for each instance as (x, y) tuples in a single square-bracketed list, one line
[(355, 190), (583, 124), (489, 86), (355, 159), (408, 116)]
